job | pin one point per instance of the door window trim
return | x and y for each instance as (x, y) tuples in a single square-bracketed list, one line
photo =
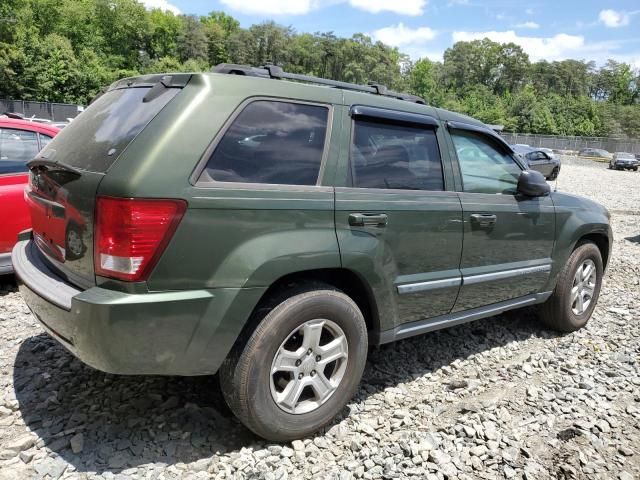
[(194, 179), (393, 117)]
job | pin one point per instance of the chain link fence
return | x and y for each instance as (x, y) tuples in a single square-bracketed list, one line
[(56, 112), (557, 142)]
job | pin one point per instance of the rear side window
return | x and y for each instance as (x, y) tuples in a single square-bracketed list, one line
[(271, 142), (95, 139), (17, 147), (394, 156), (44, 140)]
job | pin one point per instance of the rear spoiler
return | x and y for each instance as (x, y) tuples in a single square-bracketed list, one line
[(157, 82)]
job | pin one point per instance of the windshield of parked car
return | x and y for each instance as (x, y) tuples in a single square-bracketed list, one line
[(625, 156)]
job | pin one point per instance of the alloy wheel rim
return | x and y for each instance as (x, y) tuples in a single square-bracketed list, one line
[(583, 287), (309, 366)]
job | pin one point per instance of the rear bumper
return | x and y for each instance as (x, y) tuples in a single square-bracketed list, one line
[(166, 333), (626, 164)]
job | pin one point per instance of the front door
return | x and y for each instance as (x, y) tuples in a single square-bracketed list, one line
[(508, 238), (397, 225)]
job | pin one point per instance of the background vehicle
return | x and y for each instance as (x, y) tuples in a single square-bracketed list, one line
[(20, 141), (539, 160), (624, 161), (273, 230), (596, 153)]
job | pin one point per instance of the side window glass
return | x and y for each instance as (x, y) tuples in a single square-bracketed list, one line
[(484, 168), (271, 143), (392, 156), (17, 147)]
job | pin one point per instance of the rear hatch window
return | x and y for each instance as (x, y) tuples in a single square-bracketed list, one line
[(65, 176), (95, 139)]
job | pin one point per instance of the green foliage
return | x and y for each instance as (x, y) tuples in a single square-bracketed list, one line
[(69, 50)]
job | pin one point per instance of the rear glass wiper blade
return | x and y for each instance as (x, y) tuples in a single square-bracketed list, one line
[(44, 162)]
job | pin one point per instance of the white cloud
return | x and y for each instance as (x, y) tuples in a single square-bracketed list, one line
[(302, 7), (614, 19), (529, 25), (529, 11), (271, 7), (558, 47), (400, 35), (401, 7), (162, 5), (412, 41)]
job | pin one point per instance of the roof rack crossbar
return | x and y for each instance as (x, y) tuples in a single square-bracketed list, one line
[(276, 72)]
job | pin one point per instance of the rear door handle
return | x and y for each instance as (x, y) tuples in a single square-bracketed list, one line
[(483, 219), (368, 220)]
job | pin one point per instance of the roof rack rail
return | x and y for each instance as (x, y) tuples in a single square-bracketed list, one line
[(276, 72)]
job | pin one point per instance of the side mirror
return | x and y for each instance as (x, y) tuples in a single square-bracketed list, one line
[(533, 184)]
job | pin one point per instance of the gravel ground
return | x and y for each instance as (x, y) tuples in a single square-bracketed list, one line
[(498, 398)]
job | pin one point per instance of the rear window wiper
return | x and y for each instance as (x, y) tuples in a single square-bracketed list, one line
[(44, 162)]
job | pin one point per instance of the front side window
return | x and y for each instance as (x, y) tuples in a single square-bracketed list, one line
[(395, 156), (271, 142), (484, 167), (17, 147)]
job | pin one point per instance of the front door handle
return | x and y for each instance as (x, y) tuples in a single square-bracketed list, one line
[(368, 219), (483, 219)]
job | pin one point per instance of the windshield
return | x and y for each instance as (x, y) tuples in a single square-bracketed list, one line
[(95, 139), (625, 156)]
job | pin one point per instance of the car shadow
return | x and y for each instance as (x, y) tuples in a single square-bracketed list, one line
[(126, 421), (635, 239), (7, 284)]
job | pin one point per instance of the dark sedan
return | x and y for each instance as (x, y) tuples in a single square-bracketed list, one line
[(624, 161), (538, 159)]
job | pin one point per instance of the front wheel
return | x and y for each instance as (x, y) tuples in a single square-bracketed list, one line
[(300, 366), (576, 294)]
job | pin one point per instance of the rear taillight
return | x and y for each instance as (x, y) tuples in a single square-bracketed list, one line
[(132, 233)]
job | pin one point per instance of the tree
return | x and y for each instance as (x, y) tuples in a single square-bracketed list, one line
[(192, 41)]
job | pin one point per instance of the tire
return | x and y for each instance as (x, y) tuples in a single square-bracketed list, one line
[(248, 382), (635, 169), (73, 244), (558, 311), (554, 174)]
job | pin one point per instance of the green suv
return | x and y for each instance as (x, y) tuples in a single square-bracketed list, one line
[(271, 227)]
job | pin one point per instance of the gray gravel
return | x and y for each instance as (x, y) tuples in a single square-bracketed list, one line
[(498, 398)]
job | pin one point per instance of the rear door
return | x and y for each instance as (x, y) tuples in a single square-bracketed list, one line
[(508, 238), (397, 224), (65, 176)]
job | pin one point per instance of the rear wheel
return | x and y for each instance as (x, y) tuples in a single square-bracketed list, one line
[(577, 290), (554, 174), (300, 366)]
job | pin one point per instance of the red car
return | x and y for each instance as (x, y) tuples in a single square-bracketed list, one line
[(20, 141)]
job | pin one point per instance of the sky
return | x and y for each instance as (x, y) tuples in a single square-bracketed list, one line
[(546, 29)]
